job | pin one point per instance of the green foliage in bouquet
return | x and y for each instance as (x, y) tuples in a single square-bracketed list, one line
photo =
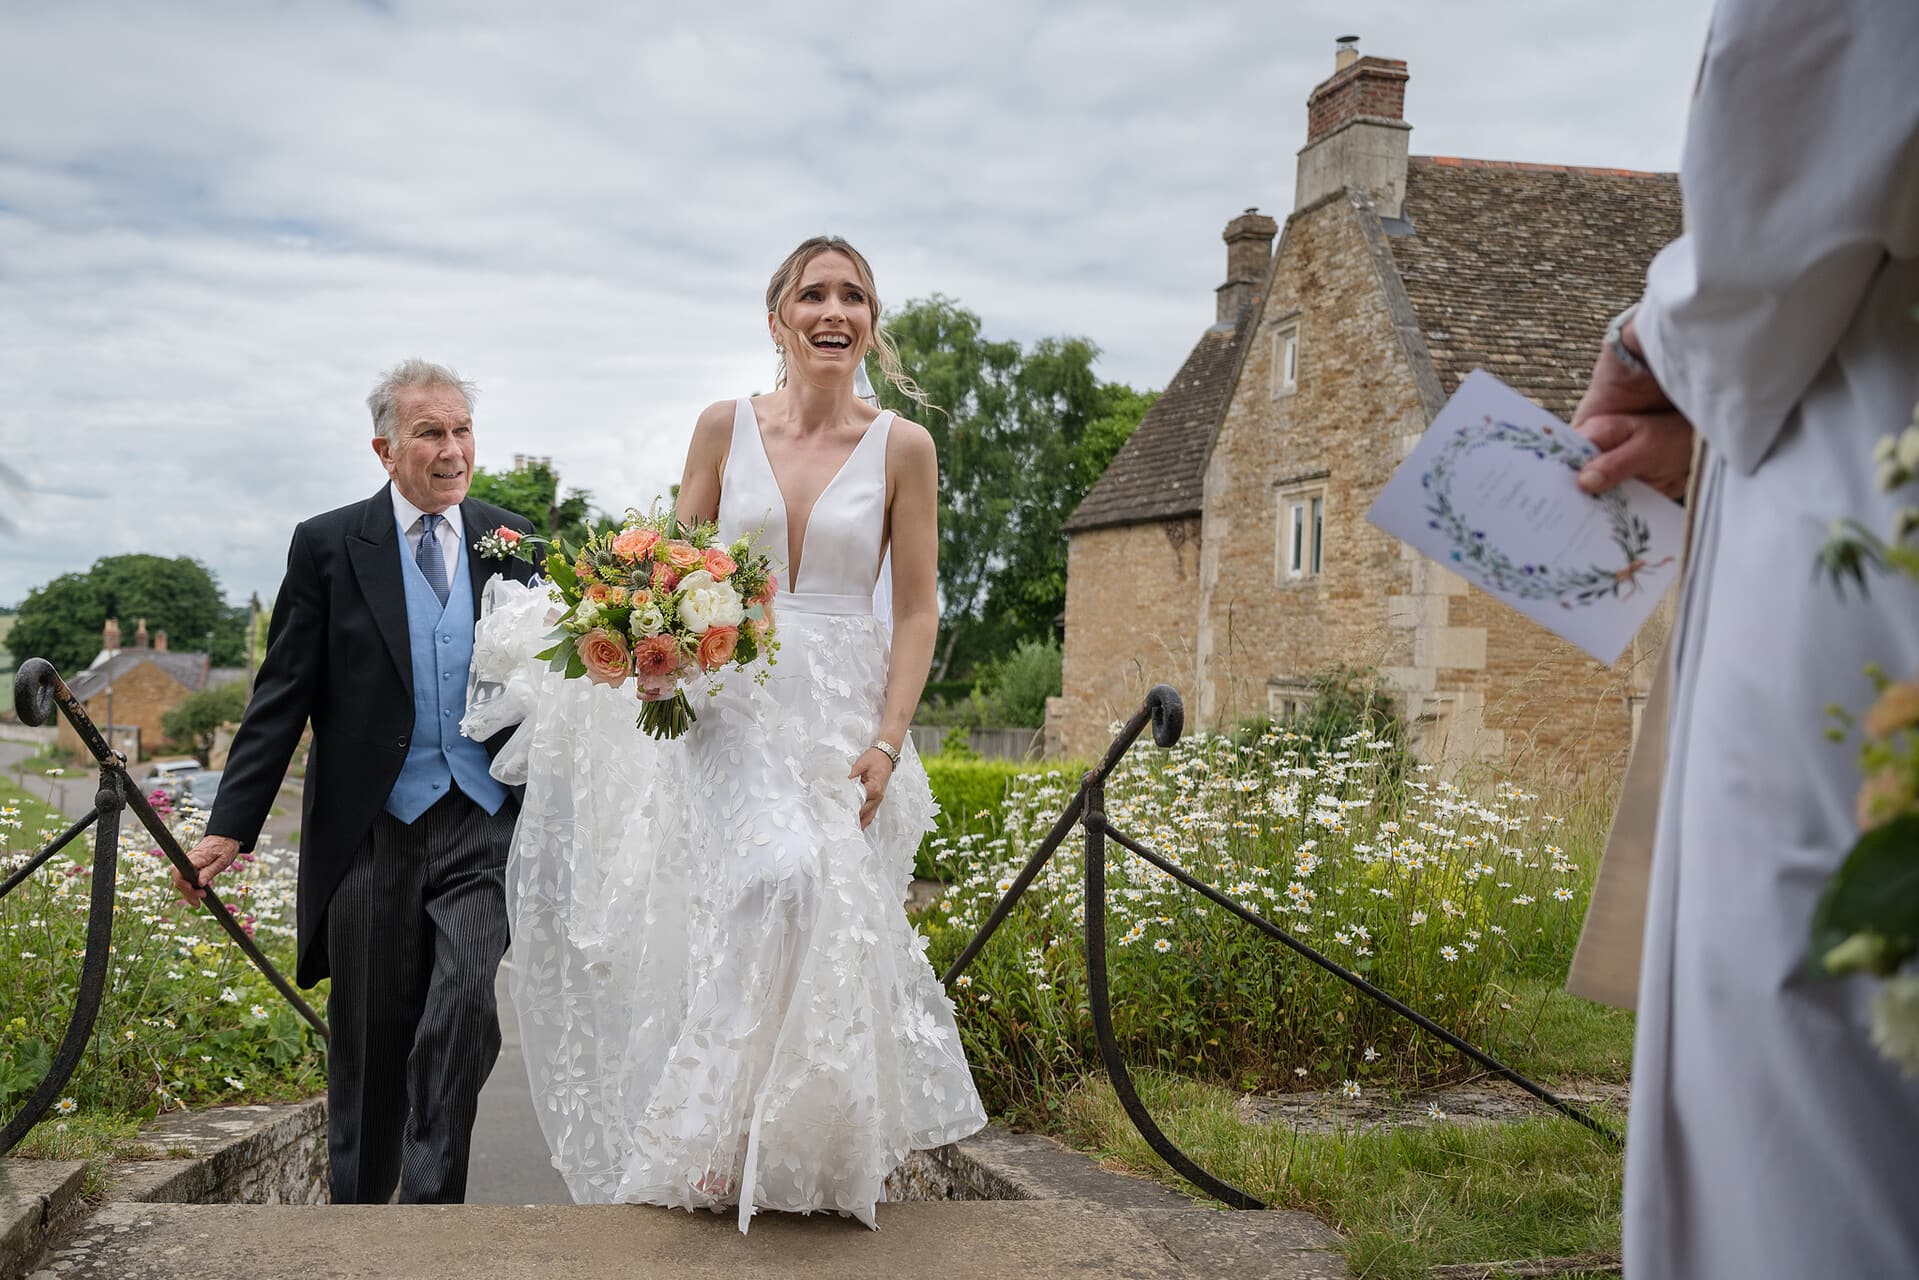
[(655, 601)]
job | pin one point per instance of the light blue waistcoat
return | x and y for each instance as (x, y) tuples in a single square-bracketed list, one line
[(441, 640)]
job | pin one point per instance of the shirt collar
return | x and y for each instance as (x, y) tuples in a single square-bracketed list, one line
[(409, 515)]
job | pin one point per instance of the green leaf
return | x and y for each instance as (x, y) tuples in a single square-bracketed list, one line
[(1875, 890), (559, 568), (575, 667)]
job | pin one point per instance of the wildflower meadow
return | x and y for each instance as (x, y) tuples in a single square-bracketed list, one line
[(186, 1019), (1449, 898)]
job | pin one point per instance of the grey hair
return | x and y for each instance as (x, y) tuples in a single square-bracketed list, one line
[(411, 375)]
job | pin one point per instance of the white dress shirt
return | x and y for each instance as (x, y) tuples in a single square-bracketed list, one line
[(408, 517)]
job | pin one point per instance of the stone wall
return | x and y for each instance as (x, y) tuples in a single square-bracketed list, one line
[(267, 1154), (1131, 596)]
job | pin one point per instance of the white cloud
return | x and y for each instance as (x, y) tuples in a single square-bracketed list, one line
[(219, 221)]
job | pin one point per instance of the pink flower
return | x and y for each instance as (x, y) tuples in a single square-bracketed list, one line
[(681, 555), (665, 577), (599, 592), (656, 660), (765, 594), (634, 544), (717, 645), (719, 564), (508, 535), (604, 653)]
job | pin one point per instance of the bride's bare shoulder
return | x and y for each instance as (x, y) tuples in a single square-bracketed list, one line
[(908, 441)]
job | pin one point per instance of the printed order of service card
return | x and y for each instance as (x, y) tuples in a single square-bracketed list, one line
[(1491, 492)]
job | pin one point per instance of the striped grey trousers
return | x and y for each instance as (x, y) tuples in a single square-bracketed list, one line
[(414, 933)]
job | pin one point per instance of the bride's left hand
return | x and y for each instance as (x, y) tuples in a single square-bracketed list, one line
[(873, 771)]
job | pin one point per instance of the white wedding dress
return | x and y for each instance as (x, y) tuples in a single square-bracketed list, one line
[(720, 998)]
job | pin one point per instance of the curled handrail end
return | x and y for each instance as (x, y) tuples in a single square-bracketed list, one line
[(33, 687), (1169, 714)]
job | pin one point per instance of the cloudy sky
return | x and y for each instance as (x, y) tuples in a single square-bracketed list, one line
[(219, 221)]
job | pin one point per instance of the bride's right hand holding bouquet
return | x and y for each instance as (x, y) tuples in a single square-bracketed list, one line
[(657, 602)]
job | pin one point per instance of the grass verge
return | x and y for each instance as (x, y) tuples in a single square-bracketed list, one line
[(1405, 1200)]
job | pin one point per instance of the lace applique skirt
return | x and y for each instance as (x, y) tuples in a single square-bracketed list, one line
[(720, 997)]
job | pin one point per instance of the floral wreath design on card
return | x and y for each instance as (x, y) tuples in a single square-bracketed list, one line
[(1472, 552)]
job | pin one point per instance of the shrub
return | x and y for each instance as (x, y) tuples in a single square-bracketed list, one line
[(972, 796), (1020, 683), (1435, 895), (193, 722)]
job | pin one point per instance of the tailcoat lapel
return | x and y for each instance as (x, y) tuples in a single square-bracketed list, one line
[(376, 564)]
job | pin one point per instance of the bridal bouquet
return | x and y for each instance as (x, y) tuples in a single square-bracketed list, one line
[(1867, 921), (654, 601)]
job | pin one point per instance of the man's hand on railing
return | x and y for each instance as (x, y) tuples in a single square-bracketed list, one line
[(210, 857)]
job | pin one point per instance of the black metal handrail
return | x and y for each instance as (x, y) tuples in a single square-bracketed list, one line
[(1087, 810), (38, 691)]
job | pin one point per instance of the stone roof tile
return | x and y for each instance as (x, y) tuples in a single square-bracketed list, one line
[(1160, 470), (1517, 268)]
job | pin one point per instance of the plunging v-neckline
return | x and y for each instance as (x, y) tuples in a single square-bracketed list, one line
[(786, 508)]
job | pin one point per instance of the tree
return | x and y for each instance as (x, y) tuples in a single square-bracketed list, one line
[(192, 724), (62, 620), (530, 491), (1022, 434)]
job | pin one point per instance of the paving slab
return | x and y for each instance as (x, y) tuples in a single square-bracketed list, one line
[(1015, 1240)]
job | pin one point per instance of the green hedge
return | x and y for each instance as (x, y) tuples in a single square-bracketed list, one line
[(966, 789)]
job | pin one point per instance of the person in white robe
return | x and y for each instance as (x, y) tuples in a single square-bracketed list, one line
[(1767, 1137)]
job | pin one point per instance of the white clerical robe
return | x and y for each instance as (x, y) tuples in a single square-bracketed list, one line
[(1767, 1137)]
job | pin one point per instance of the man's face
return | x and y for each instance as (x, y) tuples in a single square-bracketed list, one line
[(432, 465)]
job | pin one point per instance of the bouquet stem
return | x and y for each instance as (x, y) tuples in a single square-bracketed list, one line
[(668, 717)]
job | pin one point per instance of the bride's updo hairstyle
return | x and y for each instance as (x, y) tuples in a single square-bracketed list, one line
[(787, 278)]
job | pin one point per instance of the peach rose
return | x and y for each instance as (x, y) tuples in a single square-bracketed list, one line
[(656, 660), (1897, 708), (634, 544), (665, 577), (681, 555), (616, 596), (599, 593), (717, 645), (641, 597), (510, 536), (604, 653), (718, 563)]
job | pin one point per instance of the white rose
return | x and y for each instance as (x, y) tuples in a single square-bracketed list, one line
[(706, 603)]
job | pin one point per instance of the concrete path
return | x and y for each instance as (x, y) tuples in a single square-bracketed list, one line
[(978, 1240), (511, 1163)]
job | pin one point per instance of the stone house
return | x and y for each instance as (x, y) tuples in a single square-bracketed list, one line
[(132, 688), (1225, 550)]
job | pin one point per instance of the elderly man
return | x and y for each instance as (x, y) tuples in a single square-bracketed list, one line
[(1768, 1138), (405, 833)]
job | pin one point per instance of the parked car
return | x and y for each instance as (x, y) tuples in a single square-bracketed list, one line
[(200, 787), (166, 776)]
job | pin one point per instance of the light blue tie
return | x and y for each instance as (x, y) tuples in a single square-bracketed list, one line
[(430, 558)]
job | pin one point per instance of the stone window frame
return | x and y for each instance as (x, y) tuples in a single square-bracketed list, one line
[(1300, 503), (1285, 373), (1288, 698)]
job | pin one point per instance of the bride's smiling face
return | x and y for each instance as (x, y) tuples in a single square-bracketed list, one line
[(826, 324)]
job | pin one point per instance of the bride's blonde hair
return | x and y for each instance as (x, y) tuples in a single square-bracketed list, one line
[(787, 279)]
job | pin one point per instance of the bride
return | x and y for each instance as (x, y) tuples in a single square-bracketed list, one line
[(721, 1000)]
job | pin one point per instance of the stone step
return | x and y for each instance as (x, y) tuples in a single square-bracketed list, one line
[(980, 1240), (37, 1197)]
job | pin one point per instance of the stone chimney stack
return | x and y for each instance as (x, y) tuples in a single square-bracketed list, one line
[(110, 636), (1356, 131), (140, 634), (1249, 253), (160, 641)]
